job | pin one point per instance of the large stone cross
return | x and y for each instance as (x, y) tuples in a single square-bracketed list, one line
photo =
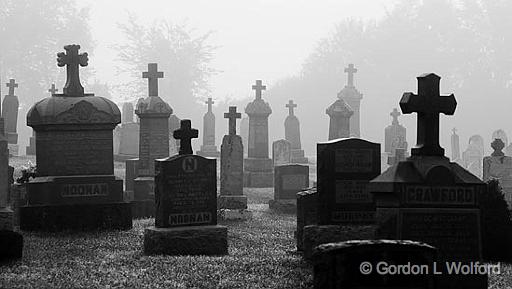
[(72, 60), (232, 116), (258, 87), (11, 85), (290, 107), (52, 89), (209, 103), (428, 103), (185, 134), (395, 114), (152, 75), (350, 70)]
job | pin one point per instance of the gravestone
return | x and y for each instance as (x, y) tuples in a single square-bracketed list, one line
[(289, 179), (128, 134), (244, 133), (76, 188), (350, 95), (339, 119), (394, 137), (374, 264), (498, 166), (258, 166), (174, 144), (281, 152), (472, 157), (232, 203), (307, 203), (153, 113), (429, 199), (186, 204), (31, 148), (209, 149), (292, 134), (455, 147), (399, 156), (10, 106)]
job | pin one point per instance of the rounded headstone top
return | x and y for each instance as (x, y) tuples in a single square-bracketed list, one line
[(258, 106), (153, 105), (339, 108), (63, 110)]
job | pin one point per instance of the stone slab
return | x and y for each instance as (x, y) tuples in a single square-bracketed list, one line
[(131, 170), (232, 202), (11, 246), (306, 213), (283, 206), (190, 240), (77, 217), (258, 179), (143, 208), (234, 215)]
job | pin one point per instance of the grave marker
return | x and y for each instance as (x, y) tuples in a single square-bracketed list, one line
[(472, 157), (281, 152), (351, 96), (395, 137), (10, 106), (289, 179), (292, 134), (498, 166), (209, 149)]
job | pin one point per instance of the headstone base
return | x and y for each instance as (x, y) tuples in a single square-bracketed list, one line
[(13, 149), (143, 209), (283, 206), (77, 217), (315, 235), (11, 245), (298, 157), (232, 202), (199, 240), (234, 215)]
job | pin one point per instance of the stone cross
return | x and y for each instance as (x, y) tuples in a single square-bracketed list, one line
[(258, 87), (428, 103), (290, 107), (153, 75), (232, 116), (209, 103), (395, 114), (454, 130), (185, 134), (72, 60), (350, 70), (497, 145), (11, 85), (53, 90)]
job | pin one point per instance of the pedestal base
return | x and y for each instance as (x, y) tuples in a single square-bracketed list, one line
[(190, 240), (78, 217), (258, 179), (283, 206), (232, 202), (234, 215), (143, 209), (11, 246)]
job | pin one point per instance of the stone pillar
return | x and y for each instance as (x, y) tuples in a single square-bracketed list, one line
[(128, 135), (10, 107), (339, 124), (455, 146), (353, 98), (209, 149), (292, 134), (244, 133)]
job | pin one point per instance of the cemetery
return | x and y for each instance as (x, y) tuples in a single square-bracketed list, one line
[(163, 182)]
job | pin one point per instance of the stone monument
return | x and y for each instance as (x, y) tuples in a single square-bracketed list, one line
[(174, 144), (429, 199), (395, 136), (472, 157), (75, 188), (244, 133), (352, 97), (153, 113), (232, 203), (209, 149), (258, 166), (292, 134), (31, 148), (10, 106), (455, 147), (186, 204), (498, 166), (128, 134), (289, 179), (339, 124), (281, 152)]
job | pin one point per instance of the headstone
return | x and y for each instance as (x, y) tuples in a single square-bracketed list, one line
[(455, 147), (339, 119), (429, 199), (244, 133), (232, 203), (10, 106), (209, 149), (174, 144), (281, 152), (153, 113), (307, 203), (289, 179), (395, 136), (31, 148), (500, 134), (76, 188), (472, 157), (258, 166), (292, 134), (186, 204), (374, 264), (128, 134), (498, 166), (352, 97)]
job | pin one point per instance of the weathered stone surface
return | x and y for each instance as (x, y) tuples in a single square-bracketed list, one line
[(10, 106), (6, 219), (131, 170), (143, 208), (209, 149), (232, 202), (11, 246), (290, 179), (258, 179), (231, 166), (454, 141), (306, 213), (196, 240), (258, 165), (339, 119), (281, 152), (129, 139)]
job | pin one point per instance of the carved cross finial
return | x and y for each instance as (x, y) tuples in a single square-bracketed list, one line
[(290, 107), (72, 60), (11, 85), (52, 89), (232, 116), (209, 102), (350, 70), (428, 103), (152, 75), (185, 134), (259, 87), (497, 145), (395, 114)]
